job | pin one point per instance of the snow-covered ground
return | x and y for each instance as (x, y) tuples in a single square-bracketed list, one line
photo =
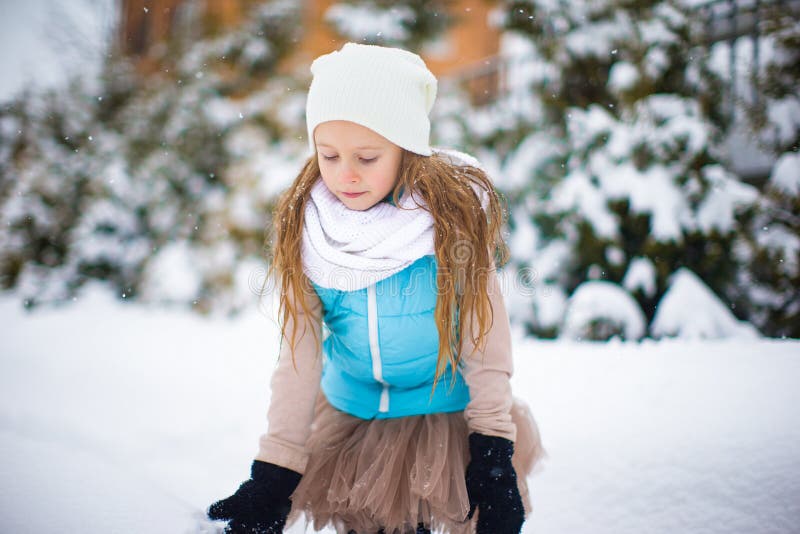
[(121, 418)]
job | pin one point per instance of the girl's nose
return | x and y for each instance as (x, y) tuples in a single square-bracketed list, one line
[(348, 174)]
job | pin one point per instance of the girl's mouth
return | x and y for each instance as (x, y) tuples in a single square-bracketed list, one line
[(353, 195)]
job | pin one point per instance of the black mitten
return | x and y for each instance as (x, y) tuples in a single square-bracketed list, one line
[(261, 504), (492, 486)]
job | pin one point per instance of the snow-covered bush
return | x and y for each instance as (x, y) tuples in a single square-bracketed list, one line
[(608, 141), (98, 180), (54, 159), (689, 309), (600, 310), (639, 176)]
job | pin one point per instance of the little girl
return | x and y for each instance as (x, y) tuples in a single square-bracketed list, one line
[(398, 416)]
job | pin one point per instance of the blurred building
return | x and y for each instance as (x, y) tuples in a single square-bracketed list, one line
[(147, 25)]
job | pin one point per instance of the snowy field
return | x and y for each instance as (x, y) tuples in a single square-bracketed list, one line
[(125, 419)]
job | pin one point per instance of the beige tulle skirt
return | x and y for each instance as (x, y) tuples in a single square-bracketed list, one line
[(392, 474)]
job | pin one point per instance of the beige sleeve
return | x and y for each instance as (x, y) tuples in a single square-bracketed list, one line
[(487, 373), (294, 394)]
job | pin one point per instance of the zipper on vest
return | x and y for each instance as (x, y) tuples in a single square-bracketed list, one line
[(374, 347)]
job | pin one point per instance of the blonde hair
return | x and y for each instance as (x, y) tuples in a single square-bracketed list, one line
[(467, 242)]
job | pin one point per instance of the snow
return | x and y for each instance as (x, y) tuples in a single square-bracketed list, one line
[(594, 40), (368, 23), (665, 437), (525, 69), (577, 192), (622, 76), (641, 275), (785, 176), (615, 255), (530, 299), (518, 286), (223, 113), (523, 242), (549, 304), (656, 62), (682, 117), (784, 116), (171, 276), (243, 212), (779, 238), (601, 301), (662, 123), (584, 125), (690, 309), (91, 245), (659, 122), (655, 32), (532, 153), (551, 260), (656, 193), (125, 418), (725, 196)]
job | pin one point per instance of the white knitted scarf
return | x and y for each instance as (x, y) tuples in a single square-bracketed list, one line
[(348, 250)]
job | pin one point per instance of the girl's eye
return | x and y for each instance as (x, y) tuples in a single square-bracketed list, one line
[(368, 160), (329, 158)]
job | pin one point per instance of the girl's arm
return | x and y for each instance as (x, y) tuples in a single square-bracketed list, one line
[(487, 373), (294, 393)]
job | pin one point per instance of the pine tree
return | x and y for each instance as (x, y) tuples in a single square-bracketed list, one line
[(626, 101)]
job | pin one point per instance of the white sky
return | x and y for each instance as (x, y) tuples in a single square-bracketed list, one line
[(42, 41)]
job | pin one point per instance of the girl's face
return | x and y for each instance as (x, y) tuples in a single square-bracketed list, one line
[(358, 165)]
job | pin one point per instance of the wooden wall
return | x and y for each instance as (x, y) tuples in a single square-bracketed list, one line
[(146, 23)]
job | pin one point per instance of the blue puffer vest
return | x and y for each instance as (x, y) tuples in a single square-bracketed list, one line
[(382, 347)]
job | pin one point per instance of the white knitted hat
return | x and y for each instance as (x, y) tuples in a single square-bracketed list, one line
[(388, 90)]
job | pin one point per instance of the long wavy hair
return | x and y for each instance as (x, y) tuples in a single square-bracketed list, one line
[(468, 245)]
